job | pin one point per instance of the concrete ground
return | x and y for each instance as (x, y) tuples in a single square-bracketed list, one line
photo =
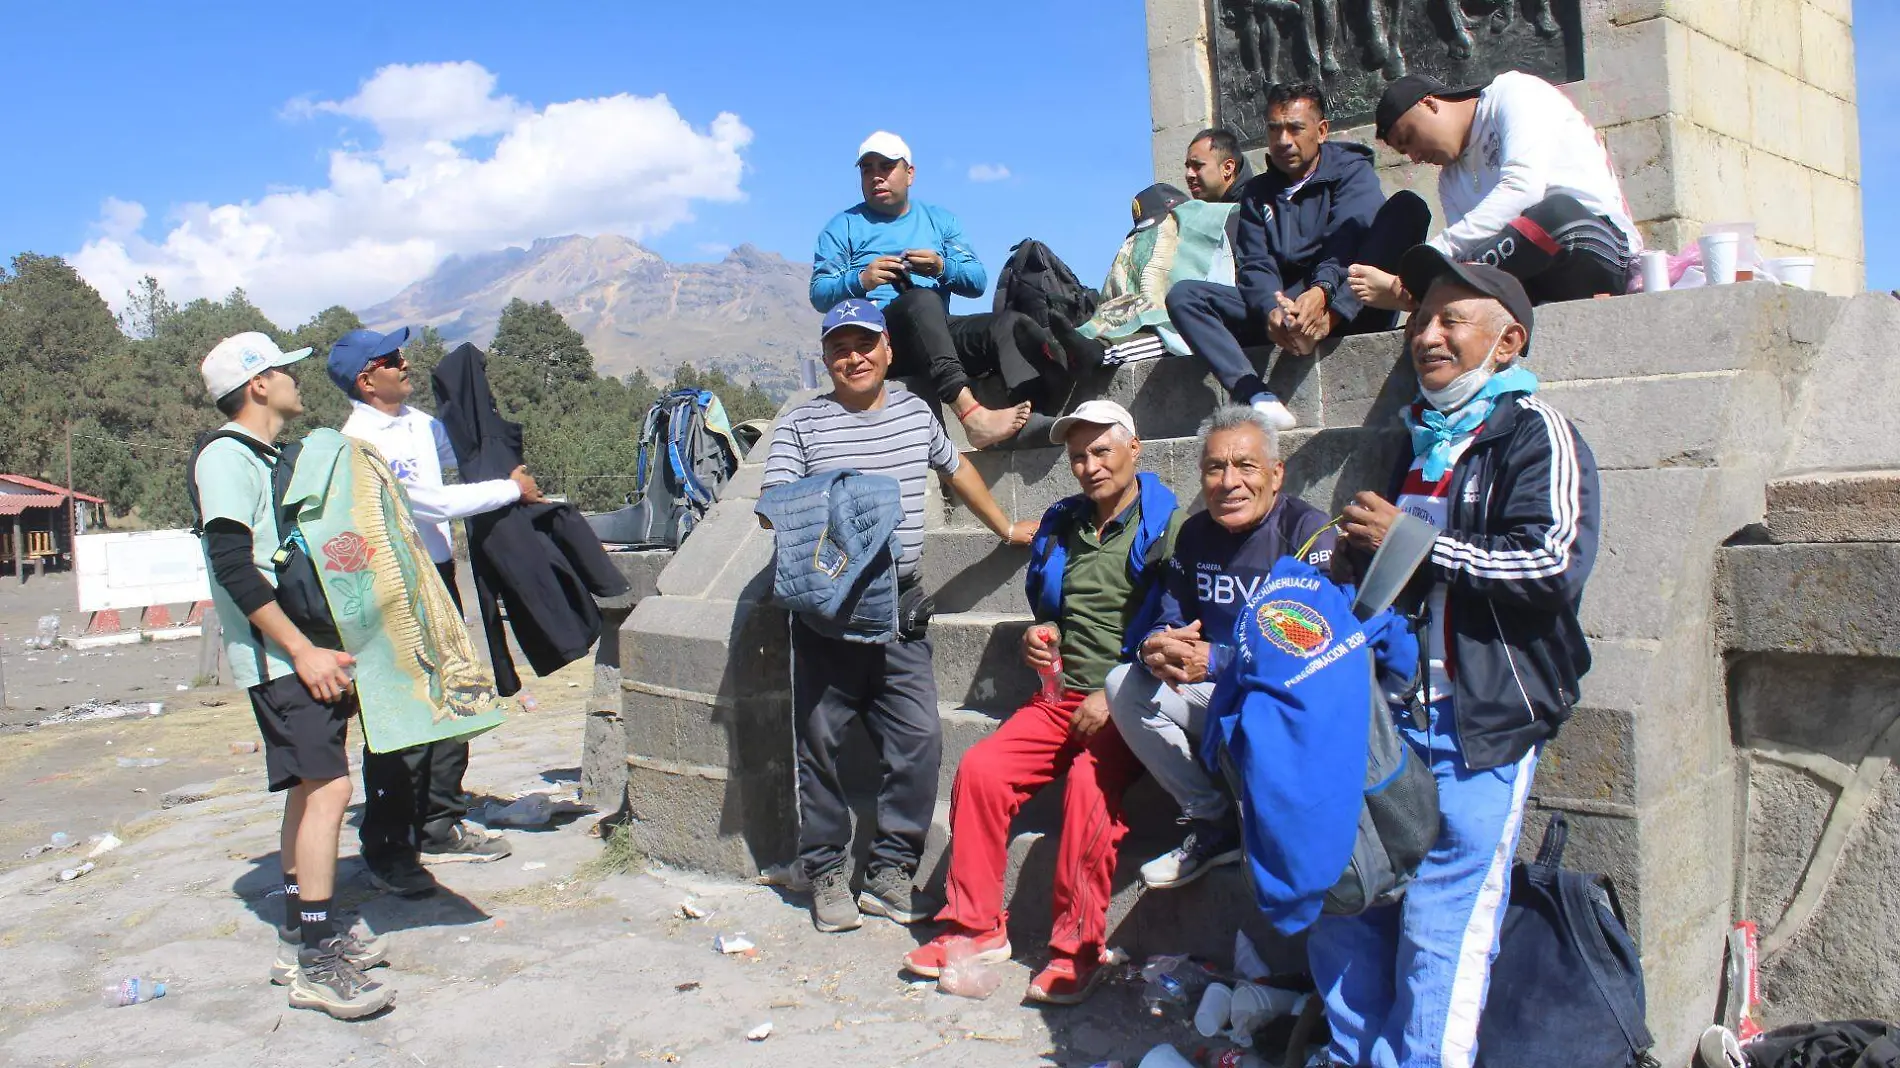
[(548, 957)]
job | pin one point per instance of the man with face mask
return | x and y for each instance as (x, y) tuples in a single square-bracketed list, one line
[(1317, 210), (1526, 183), (1512, 488)]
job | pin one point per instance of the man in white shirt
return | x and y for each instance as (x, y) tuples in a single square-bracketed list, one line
[(413, 807), (1526, 184)]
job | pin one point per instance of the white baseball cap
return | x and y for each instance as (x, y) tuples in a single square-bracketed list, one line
[(242, 357), (886, 144), (1097, 413)]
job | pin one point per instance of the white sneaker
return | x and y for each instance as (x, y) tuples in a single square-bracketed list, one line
[(1269, 405)]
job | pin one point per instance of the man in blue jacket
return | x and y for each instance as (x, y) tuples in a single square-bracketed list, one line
[(1316, 211), (1220, 559), (908, 258), (1512, 488)]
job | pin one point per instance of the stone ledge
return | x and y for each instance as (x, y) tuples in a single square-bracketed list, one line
[(1834, 507), (1826, 599)]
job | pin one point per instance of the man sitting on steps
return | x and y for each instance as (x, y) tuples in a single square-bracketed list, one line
[(908, 257), (1316, 211), (1160, 703), (1094, 561), (1526, 183)]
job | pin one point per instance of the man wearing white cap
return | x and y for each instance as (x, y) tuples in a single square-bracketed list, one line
[(908, 258), (1094, 560), (300, 691)]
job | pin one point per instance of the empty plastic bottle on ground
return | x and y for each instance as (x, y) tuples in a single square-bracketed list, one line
[(1173, 983), (131, 992)]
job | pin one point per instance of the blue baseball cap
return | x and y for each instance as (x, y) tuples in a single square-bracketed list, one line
[(855, 311), (354, 350)]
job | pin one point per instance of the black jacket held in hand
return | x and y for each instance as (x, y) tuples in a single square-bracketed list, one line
[(541, 561), (1519, 543)]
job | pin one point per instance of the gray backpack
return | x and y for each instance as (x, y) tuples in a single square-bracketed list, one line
[(1399, 823), (687, 453)]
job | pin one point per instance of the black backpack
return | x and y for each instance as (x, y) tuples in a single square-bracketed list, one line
[(299, 590), (1037, 283), (684, 463), (1567, 986)]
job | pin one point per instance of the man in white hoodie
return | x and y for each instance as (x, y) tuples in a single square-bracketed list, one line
[(412, 806), (1526, 184)]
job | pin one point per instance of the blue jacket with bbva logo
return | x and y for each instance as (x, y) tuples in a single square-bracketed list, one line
[(1213, 572), (1288, 727)]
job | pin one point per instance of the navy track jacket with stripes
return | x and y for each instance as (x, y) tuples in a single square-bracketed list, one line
[(1519, 542)]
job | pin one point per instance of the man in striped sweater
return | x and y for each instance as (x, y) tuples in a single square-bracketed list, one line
[(1512, 488), (863, 426)]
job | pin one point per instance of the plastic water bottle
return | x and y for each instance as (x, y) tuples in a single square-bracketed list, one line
[(131, 992), (1173, 983), (1051, 675)]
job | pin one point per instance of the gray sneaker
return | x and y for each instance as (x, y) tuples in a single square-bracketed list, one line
[(360, 947), (464, 845), (888, 892), (1209, 844), (327, 982), (832, 908)]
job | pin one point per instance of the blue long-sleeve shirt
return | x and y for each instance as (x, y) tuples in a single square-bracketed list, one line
[(856, 236)]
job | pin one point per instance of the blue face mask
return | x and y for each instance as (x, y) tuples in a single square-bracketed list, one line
[(1459, 391)]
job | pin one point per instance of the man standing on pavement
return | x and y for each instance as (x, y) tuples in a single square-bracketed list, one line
[(908, 258), (1221, 557), (1096, 559), (413, 804), (1302, 225), (864, 426), (1512, 488), (300, 691), (1526, 183)]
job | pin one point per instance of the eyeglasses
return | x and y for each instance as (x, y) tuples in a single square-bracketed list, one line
[(394, 359)]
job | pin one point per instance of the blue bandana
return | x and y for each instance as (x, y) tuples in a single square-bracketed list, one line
[(1434, 432)]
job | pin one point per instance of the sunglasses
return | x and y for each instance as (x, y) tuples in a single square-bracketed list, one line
[(394, 359)]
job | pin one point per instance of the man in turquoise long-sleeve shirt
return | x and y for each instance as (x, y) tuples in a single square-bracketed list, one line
[(908, 257)]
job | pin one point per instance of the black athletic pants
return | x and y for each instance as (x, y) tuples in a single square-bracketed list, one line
[(953, 349), (892, 689), (1213, 319), (1561, 252), (413, 794)]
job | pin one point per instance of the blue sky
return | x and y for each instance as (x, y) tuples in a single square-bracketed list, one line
[(260, 144)]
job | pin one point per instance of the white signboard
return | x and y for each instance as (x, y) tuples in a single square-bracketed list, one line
[(137, 569)]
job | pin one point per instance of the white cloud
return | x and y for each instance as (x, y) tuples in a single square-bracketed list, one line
[(988, 172), (620, 164)]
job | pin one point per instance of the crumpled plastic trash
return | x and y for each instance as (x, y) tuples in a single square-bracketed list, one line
[(790, 875), (760, 1033), (528, 810), (103, 844), (965, 974), (734, 943), (1247, 959), (69, 874)]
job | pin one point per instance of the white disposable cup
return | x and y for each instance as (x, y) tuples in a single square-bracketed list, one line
[(1655, 272), (1165, 1056), (1718, 257), (1797, 271), (1216, 1003)]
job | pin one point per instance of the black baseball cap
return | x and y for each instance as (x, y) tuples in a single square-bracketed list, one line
[(1423, 267), (1154, 203), (1403, 95)]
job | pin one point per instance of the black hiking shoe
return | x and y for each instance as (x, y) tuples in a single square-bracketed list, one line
[(401, 875)]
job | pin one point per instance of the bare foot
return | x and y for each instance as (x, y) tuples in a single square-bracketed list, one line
[(987, 426), (1376, 288)]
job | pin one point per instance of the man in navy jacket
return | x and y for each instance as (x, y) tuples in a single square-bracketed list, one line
[(1316, 211), (1512, 488), (1220, 559)]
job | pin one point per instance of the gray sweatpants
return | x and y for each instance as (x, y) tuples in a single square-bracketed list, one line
[(1163, 725)]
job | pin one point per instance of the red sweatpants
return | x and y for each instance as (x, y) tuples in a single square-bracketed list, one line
[(1006, 769)]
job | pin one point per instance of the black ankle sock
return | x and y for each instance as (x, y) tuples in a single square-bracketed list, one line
[(1246, 387), (317, 928), (293, 907)]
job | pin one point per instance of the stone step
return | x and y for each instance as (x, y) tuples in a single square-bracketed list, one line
[(969, 570), (978, 660)]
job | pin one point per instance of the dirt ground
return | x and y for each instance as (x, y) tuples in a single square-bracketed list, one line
[(558, 955)]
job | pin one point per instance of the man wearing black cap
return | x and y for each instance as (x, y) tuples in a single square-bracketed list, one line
[(1301, 225), (412, 798), (1526, 184), (1512, 488)]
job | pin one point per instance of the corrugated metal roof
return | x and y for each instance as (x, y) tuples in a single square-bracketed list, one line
[(15, 503), (48, 487)]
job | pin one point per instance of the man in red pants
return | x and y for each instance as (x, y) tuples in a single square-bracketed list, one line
[(1095, 557)]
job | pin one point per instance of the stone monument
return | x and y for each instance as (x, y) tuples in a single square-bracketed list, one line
[(1713, 110)]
